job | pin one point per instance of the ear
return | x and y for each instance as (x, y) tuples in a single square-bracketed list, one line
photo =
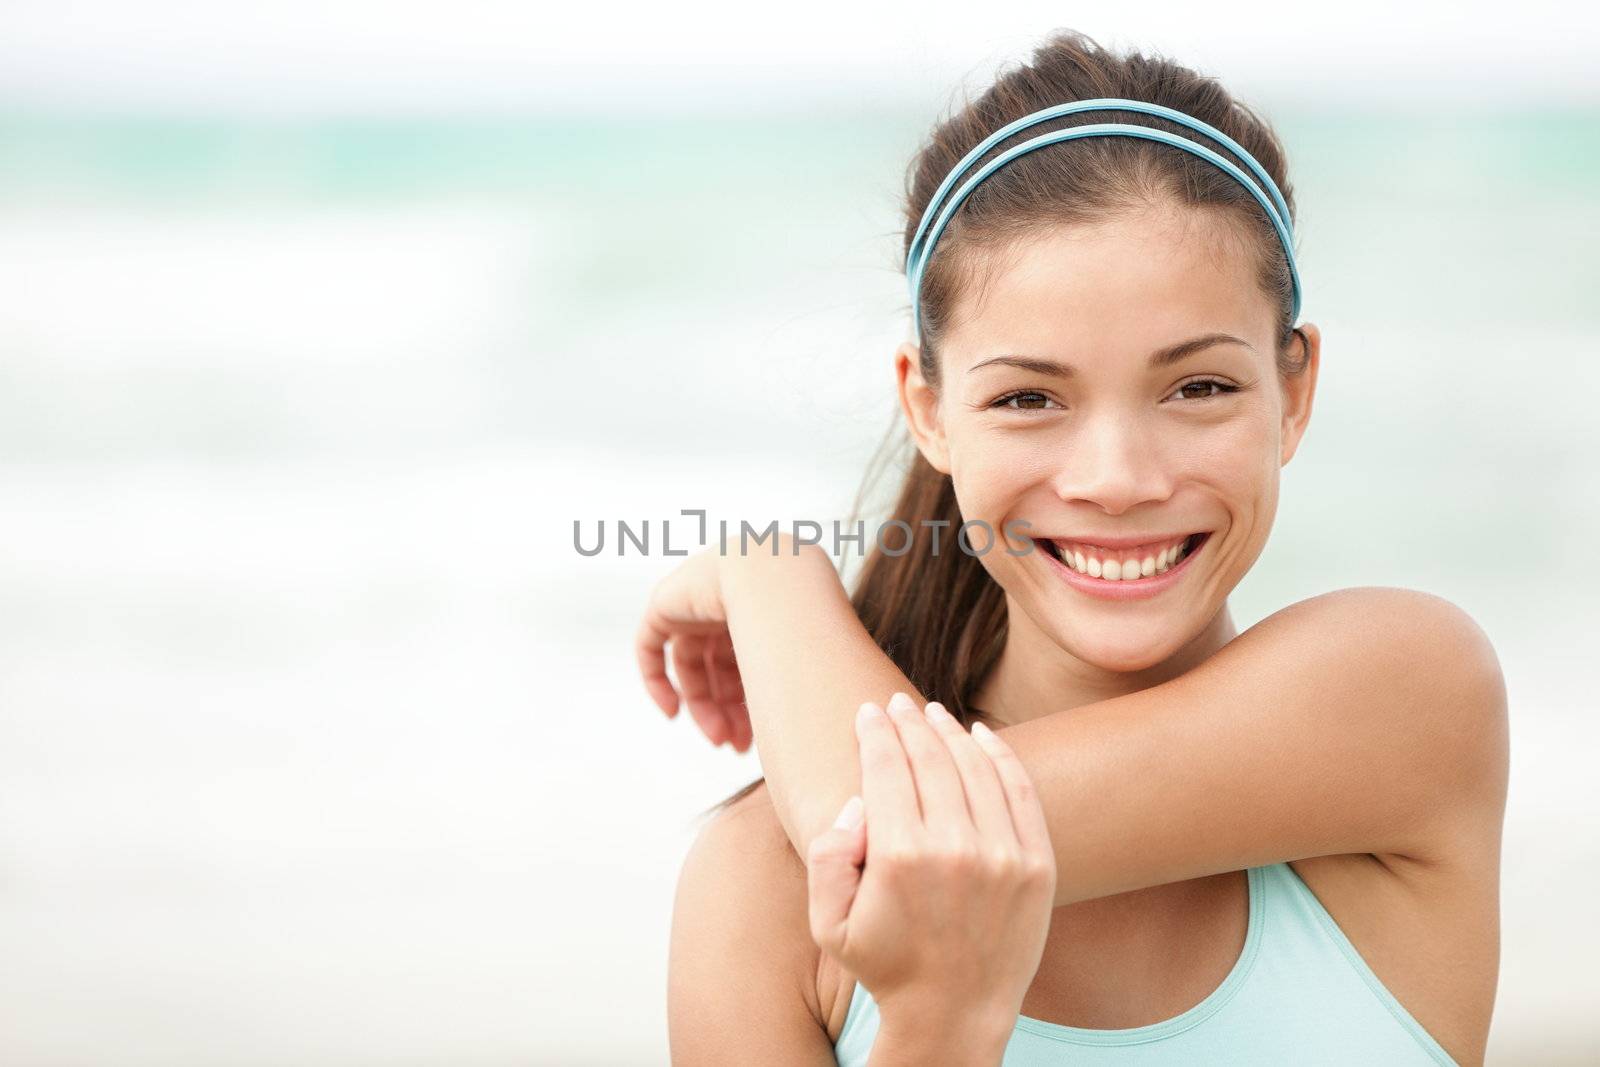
[(1299, 391), (920, 403)]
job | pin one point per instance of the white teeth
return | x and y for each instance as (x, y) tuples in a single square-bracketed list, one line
[(1117, 570)]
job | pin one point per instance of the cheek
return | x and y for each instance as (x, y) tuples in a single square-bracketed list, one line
[(988, 476), (1238, 457)]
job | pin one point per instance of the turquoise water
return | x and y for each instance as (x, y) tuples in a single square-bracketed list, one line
[(294, 421), (1447, 226)]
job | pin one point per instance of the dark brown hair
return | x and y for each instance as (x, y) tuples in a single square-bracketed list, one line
[(939, 615)]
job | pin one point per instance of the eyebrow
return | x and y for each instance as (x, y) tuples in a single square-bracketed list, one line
[(1161, 357)]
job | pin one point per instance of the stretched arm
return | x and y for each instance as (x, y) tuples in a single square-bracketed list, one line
[(1361, 721), (742, 971)]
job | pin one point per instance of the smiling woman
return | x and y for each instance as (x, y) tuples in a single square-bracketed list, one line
[(1273, 846), (1176, 443)]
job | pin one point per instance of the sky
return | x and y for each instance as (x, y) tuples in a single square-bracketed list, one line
[(383, 57)]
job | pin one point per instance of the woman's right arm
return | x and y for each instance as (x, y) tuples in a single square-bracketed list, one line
[(738, 987), (1365, 721), (742, 974)]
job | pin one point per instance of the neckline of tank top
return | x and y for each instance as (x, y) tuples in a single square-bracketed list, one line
[(1213, 1002)]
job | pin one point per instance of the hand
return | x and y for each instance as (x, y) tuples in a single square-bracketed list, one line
[(686, 610), (949, 917)]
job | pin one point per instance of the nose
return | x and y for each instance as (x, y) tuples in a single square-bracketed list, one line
[(1114, 463)]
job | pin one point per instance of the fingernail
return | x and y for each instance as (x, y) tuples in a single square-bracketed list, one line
[(902, 703), (849, 815), (982, 732), (865, 712), (936, 711)]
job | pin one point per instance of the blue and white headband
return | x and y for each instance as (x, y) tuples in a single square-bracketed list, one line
[(1264, 189)]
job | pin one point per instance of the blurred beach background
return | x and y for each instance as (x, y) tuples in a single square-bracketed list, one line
[(320, 326)]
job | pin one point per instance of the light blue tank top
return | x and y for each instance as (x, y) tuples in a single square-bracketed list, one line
[(1299, 993)]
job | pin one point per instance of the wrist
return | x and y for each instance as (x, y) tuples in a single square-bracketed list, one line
[(771, 563), (780, 546), (966, 1036)]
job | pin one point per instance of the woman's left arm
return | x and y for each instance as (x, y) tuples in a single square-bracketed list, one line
[(1369, 720)]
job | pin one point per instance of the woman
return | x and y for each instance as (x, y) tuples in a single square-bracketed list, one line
[(1275, 846)]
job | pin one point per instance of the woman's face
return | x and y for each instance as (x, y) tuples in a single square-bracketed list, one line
[(1115, 385)]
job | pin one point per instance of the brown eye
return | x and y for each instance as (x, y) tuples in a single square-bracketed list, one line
[(1023, 401), (1200, 387)]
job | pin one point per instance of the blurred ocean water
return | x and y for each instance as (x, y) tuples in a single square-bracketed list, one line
[(318, 741)]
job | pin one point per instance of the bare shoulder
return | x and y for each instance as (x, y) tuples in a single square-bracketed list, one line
[(742, 958), (1427, 925), (1428, 665), (1417, 621), (1417, 673)]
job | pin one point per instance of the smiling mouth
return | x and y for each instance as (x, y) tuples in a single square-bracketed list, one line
[(1113, 565)]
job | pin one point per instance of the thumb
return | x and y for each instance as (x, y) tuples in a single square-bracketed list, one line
[(833, 871)]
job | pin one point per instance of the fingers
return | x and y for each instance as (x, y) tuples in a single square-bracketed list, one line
[(833, 873), (737, 717), (650, 649), (689, 661), (724, 668), (728, 690), (939, 788), (707, 674), (986, 798), (887, 787), (1027, 817)]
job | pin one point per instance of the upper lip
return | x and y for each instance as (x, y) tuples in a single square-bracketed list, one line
[(1126, 541)]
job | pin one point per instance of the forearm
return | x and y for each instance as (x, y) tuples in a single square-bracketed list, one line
[(807, 663), (1336, 726)]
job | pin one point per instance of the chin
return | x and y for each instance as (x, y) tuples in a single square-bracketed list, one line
[(1123, 653)]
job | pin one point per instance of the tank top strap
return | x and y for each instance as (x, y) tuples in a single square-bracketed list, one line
[(1296, 919)]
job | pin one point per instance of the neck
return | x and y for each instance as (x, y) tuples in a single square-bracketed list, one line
[(1036, 676)]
